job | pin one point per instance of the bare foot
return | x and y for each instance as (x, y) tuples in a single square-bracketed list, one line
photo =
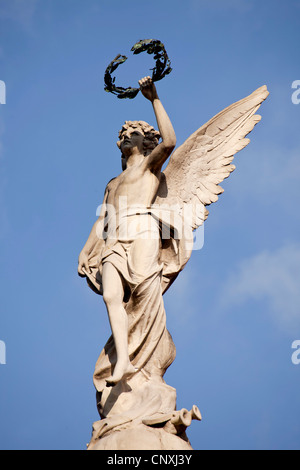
[(122, 371)]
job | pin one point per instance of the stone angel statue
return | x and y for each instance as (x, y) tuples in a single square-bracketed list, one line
[(136, 249)]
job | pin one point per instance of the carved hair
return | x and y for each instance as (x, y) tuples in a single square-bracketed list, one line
[(151, 136)]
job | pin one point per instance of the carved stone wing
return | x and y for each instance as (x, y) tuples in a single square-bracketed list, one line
[(197, 167)]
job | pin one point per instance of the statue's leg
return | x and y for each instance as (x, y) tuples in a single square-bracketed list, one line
[(113, 294)]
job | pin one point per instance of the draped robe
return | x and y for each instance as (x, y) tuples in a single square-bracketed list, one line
[(150, 346)]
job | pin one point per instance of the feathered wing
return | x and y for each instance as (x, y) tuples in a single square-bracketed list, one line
[(191, 180), (197, 167)]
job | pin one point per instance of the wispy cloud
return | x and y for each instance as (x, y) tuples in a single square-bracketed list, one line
[(19, 11), (279, 168), (271, 276), (270, 179)]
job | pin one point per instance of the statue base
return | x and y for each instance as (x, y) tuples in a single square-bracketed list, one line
[(142, 418), (141, 437), (140, 414)]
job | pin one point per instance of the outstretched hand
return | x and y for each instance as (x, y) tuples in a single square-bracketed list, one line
[(148, 88)]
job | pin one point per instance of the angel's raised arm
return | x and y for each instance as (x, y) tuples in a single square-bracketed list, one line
[(160, 154)]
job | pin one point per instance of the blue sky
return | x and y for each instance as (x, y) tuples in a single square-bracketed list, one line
[(234, 312)]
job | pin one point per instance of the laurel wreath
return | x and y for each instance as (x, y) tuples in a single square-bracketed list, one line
[(161, 69)]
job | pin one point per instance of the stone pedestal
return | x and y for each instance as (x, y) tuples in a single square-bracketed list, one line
[(140, 414), (141, 437)]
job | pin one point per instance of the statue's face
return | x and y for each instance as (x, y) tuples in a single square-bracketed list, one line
[(130, 139)]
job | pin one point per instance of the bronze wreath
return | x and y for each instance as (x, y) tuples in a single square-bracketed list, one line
[(161, 69)]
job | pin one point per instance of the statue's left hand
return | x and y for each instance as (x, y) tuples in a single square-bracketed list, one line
[(148, 88)]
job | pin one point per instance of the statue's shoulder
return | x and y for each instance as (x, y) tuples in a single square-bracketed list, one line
[(110, 184)]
